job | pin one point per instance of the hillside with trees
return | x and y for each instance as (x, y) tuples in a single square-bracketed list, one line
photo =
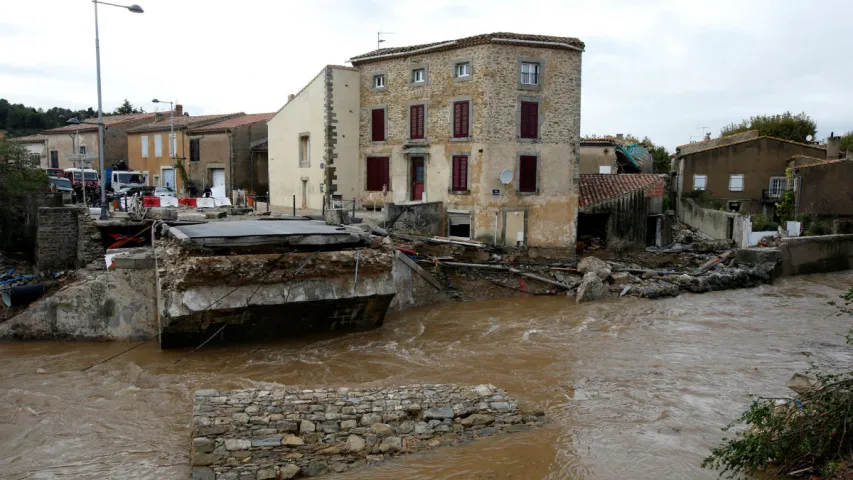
[(786, 126), (20, 120)]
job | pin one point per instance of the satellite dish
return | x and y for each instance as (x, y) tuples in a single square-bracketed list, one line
[(506, 176), (809, 138)]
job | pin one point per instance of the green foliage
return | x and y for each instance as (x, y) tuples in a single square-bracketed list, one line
[(704, 199), (763, 223), (660, 155), (127, 108), (785, 206), (20, 120), (847, 142), (19, 177), (810, 432), (786, 126)]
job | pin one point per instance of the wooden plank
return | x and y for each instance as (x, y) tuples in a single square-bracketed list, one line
[(420, 271), (541, 279)]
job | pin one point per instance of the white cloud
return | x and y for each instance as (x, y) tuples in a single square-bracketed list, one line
[(662, 68)]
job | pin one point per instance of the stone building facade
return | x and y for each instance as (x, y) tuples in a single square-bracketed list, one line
[(83, 138), (472, 101)]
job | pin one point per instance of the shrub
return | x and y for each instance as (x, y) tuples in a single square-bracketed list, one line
[(704, 199), (763, 223)]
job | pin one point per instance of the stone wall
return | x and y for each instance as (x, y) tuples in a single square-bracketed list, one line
[(289, 432), (419, 218), (67, 237), (829, 253), (716, 224)]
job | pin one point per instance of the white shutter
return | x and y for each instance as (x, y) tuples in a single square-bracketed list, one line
[(158, 145), (144, 139), (173, 145)]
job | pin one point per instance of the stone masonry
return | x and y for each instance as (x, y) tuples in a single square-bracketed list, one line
[(66, 237), (289, 432)]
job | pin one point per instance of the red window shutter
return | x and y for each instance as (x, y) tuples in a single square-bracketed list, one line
[(386, 173), (527, 174), (378, 125), (377, 173), (529, 120), (460, 120), (416, 122), (460, 173)]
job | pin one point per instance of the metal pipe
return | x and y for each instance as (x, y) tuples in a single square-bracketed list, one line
[(353, 208), (23, 295), (294, 204)]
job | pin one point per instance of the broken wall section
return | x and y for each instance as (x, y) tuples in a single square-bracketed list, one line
[(289, 432), (420, 218), (67, 237)]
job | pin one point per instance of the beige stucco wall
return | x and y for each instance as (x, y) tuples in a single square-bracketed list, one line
[(64, 144), (494, 145), (595, 156), (306, 113), (152, 163), (37, 148), (214, 151)]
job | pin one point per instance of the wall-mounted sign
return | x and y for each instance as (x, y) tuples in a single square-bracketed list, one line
[(496, 192)]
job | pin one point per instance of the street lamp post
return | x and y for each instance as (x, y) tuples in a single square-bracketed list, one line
[(172, 140), (135, 9)]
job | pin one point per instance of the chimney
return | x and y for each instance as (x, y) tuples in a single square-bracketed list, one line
[(179, 110), (833, 146), (619, 136), (290, 97)]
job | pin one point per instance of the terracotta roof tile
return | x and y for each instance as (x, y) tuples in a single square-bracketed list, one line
[(29, 139), (820, 162), (597, 188), (234, 122), (182, 122), (544, 41), (816, 147), (109, 121)]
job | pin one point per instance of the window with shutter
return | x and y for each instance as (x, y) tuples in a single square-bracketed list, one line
[(460, 173), (416, 122), (195, 152), (377, 173), (461, 119), (527, 174), (377, 125), (529, 120)]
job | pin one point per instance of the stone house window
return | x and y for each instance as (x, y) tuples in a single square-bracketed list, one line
[(144, 143), (529, 73), (158, 145), (54, 158), (605, 169), (462, 119), (529, 125), (379, 81), (736, 183), (463, 70), (419, 75), (304, 150), (699, 182), (195, 150), (459, 180), (528, 166), (377, 174), (82, 150), (377, 125), (417, 117), (778, 185)]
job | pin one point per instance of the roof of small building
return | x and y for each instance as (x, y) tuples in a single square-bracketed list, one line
[(37, 138), (816, 147), (109, 121), (182, 122), (599, 141), (600, 187), (544, 41), (819, 163), (235, 122)]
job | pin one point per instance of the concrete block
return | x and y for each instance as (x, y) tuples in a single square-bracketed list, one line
[(216, 214), (191, 216), (162, 213)]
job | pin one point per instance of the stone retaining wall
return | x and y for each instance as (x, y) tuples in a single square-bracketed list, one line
[(289, 432)]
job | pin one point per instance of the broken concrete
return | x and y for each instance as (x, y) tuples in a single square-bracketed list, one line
[(592, 288), (594, 265)]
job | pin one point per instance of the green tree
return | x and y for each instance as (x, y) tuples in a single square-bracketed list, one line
[(785, 126), (847, 142), (660, 155), (127, 108), (19, 177)]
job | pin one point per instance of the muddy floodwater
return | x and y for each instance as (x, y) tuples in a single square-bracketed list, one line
[(632, 388)]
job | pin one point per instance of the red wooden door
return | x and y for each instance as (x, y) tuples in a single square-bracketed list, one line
[(417, 178)]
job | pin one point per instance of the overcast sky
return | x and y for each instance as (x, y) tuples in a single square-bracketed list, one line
[(664, 69)]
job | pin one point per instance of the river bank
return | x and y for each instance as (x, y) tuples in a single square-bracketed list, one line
[(632, 388)]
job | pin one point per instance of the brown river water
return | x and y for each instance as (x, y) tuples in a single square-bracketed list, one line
[(633, 388)]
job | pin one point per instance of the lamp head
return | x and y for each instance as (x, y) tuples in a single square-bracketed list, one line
[(135, 8)]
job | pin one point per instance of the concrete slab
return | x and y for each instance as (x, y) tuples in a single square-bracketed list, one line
[(254, 232)]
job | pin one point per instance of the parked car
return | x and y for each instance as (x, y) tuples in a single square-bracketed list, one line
[(63, 185), (55, 172), (164, 192)]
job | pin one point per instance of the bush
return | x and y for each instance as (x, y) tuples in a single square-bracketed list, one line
[(704, 199), (815, 226), (763, 223)]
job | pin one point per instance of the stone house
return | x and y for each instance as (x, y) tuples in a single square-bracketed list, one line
[(149, 149), (747, 176), (447, 121), (36, 145), (313, 142), (823, 186), (83, 138), (221, 150)]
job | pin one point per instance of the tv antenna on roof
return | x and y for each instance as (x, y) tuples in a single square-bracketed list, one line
[(379, 38)]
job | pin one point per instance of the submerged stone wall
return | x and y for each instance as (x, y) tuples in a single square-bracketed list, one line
[(289, 432)]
